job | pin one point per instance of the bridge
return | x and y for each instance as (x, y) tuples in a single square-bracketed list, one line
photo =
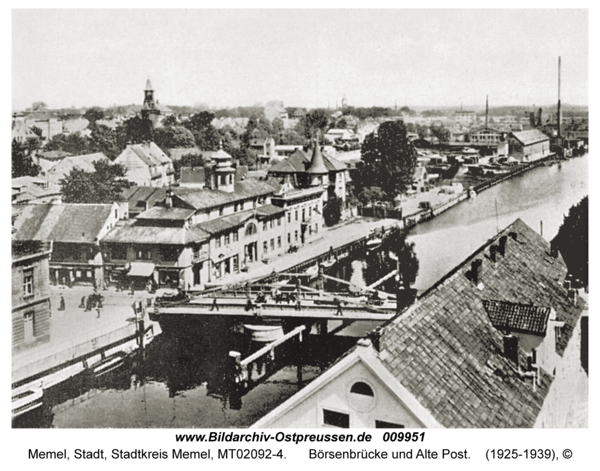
[(306, 306)]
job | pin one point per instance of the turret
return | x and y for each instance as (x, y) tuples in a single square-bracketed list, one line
[(317, 172)]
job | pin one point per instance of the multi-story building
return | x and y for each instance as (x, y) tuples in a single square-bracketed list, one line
[(528, 146), (30, 294), (300, 168), (146, 165), (485, 136), (160, 246), (75, 231), (465, 118)]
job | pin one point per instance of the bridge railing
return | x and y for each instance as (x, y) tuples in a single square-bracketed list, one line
[(264, 362)]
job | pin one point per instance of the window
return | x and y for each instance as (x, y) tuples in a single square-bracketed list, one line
[(361, 388), (28, 326), (309, 230), (236, 263), (169, 254), (28, 282), (250, 229), (236, 236), (218, 242), (289, 238), (264, 226), (336, 419), (118, 252), (278, 242), (296, 215), (265, 247), (289, 215), (271, 224), (303, 214), (116, 214), (279, 221), (272, 244), (143, 254), (309, 211), (384, 424), (226, 239), (296, 235), (316, 227)]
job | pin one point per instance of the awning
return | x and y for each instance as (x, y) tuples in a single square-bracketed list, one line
[(141, 269)]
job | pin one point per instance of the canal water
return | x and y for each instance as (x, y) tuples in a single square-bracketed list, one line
[(540, 197), (179, 382)]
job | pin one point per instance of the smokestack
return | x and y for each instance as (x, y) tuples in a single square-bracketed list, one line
[(511, 349), (559, 117), (486, 111)]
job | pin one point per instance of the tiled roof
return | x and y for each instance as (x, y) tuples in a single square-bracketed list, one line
[(517, 317), (440, 349), (134, 234), (205, 198), (64, 167), (148, 152), (159, 212), (143, 196), (530, 137), (191, 175), (62, 222), (299, 162), (234, 220)]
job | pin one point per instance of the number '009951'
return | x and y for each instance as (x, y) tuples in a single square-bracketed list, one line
[(404, 436)]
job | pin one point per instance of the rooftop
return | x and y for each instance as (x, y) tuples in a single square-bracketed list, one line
[(80, 223), (447, 368)]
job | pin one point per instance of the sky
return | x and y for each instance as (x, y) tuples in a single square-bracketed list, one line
[(309, 58)]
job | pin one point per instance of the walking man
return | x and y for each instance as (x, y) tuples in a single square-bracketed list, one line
[(61, 306), (338, 305), (214, 303)]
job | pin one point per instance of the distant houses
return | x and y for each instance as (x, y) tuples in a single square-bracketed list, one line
[(146, 165)]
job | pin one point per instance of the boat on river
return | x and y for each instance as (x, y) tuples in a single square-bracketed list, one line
[(374, 243), (263, 333), (108, 364), (328, 263), (26, 399)]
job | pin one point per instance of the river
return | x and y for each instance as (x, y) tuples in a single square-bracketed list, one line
[(540, 197), (178, 383)]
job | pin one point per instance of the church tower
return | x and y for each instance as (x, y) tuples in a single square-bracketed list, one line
[(317, 172), (149, 109)]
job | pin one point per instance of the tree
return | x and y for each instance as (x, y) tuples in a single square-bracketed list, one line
[(105, 140), (135, 130), (332, 212), (170, 120), (205, 134), (170, 137), (38, 106), (22, 162), (75, 144), (315, 123), (572, 241), (389, 160), (102, 186), (93, 114), (441, 132)]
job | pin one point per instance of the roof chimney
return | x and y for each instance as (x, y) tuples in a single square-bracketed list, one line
[(511, 349), (554, 248), (493, 252), (476, 269), (502, 245)]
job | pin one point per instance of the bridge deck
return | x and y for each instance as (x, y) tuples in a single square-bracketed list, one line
[(310, 308)]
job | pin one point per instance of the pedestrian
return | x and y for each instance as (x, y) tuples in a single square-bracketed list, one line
[(338, 305), (89, 305), (298, 303), (214, 303), (82, 303), (249, 306), (98, 311), (61, 306), (132, 289)]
